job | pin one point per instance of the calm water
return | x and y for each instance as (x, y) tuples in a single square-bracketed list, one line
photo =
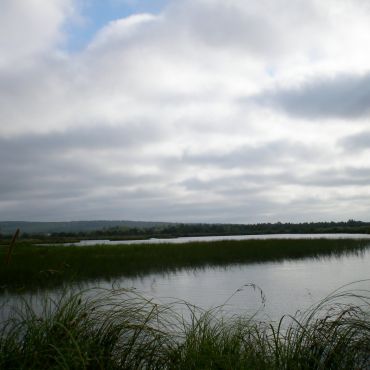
[(287, 286), (227, 237)]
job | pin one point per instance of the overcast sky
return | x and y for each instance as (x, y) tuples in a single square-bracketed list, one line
[(185, 110)]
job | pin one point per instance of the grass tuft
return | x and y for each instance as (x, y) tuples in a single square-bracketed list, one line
[(121, 329)]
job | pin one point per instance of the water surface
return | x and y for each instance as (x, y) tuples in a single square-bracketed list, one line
[(190, 239), (287, 285)]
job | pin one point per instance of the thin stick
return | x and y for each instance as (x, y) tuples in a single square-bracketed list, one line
[(11, 246)]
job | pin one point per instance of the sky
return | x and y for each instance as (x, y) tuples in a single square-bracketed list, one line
[(237, 111)]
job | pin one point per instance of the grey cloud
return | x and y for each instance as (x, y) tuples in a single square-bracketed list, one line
[(224, 24), (119, 206), (260, 27), (267, 154), (259, 182), (255, 182), (61, 179), (357, 142), (98, 137), (336, 178), (344, 96), (74, 163), (325, 178)]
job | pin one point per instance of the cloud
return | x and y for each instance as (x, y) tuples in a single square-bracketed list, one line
[(258, 27), (97, 137), (73, 160), (267, 154), (145, 122), (119, 30), (30, 28), (342, 96), (356, 143)]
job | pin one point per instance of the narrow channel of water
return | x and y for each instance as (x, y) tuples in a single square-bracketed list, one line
[(190, 239)]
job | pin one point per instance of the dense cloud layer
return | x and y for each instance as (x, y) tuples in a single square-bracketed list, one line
[(239, 111)]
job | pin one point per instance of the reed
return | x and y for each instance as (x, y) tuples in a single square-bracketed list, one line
[(35, 267), (11, 246), (333, 334), (121, 329), (112, 330)]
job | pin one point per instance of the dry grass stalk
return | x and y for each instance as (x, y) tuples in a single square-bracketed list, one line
[(11, 246)]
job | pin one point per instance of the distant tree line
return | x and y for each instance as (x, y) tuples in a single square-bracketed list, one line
[(199, 229)]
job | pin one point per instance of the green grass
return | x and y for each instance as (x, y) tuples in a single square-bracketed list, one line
[(35, 267), (123, 330)]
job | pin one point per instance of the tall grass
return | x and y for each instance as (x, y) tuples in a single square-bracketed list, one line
[(35, 266), (113, 330), (123, 330), (334, 334)]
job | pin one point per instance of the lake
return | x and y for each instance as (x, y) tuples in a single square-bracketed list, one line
[(286, 286)]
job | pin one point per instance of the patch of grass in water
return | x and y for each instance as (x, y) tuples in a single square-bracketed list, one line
[(35, 267)]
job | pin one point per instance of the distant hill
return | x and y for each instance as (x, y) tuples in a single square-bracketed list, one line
[(9, 227)]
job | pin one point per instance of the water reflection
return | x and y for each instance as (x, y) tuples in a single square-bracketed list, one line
[(287, 285)]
